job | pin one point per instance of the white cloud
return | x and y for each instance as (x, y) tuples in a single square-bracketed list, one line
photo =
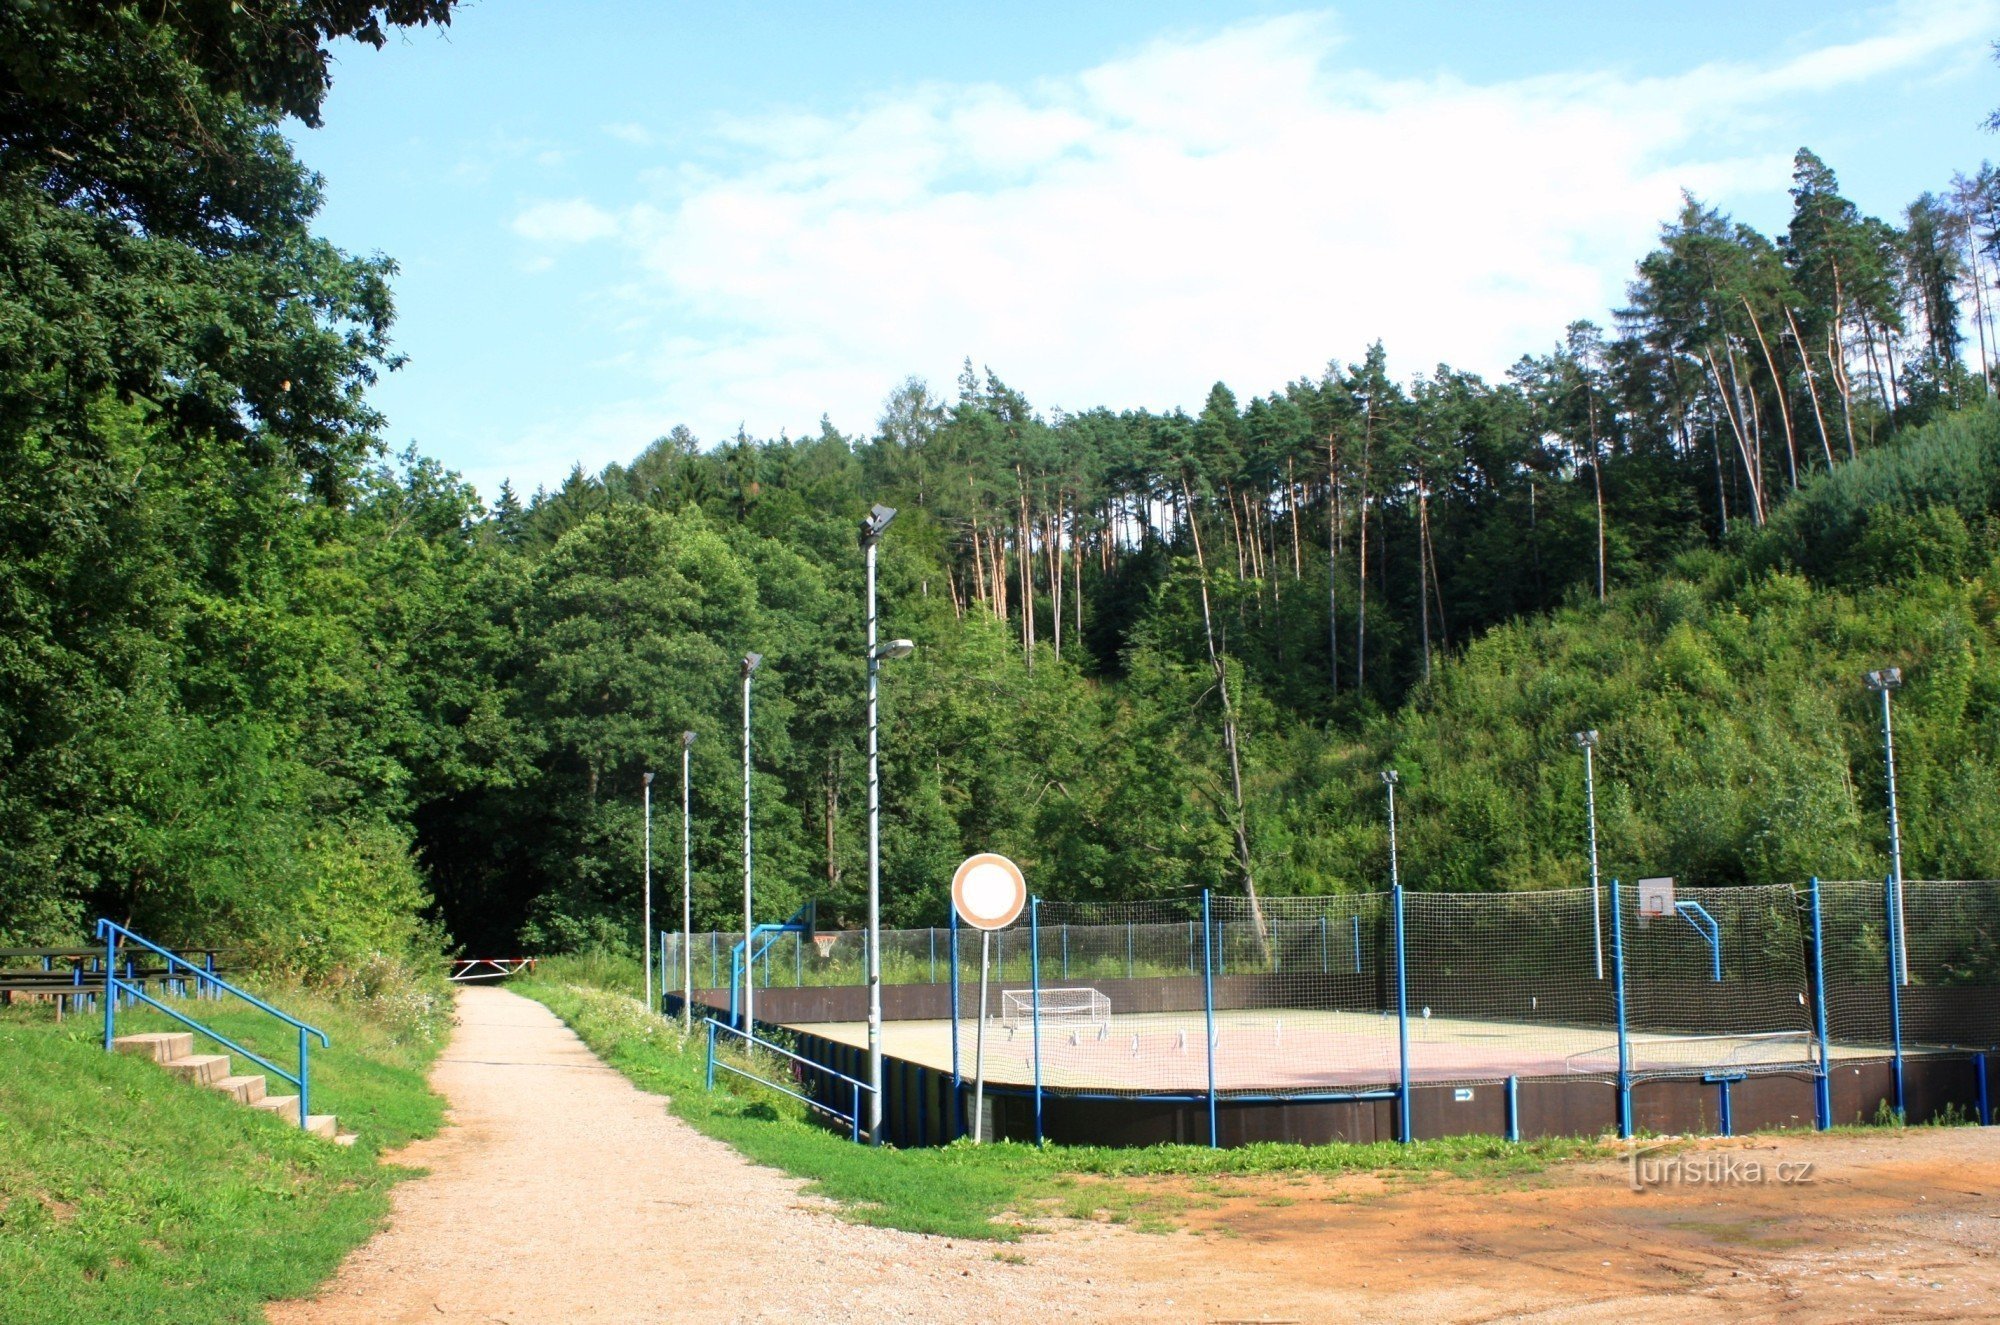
[(1239, 205), (569, 221), (637, 135)]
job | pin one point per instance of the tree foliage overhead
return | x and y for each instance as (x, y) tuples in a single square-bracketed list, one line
[(259, 681)]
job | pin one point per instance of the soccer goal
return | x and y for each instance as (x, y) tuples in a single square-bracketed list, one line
[(1059, 1007)]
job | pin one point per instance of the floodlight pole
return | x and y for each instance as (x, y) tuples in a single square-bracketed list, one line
[(687, 896), (1588, 742), (646, 910), (1389, 780), (1882, 682), (750, 661), (871, 534)]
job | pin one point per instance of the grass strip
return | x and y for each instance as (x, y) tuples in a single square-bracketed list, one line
[(994, 1191), (129, 1195)]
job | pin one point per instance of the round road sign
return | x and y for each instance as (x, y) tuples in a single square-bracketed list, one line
[(988, 891)]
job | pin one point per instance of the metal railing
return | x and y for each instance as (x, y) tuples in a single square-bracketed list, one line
[(856, 1087), (114, 934)]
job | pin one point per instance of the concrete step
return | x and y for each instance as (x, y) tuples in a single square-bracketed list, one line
[(323, 1125), (200, 1068), (285, 1106), (244, 1090), (160, 1046)]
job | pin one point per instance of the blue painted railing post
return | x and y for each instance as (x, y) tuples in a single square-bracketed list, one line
[(1823, 1095), (1895, 984), (1513, 1108), (1723, 1116), (110, 988), (305, 1077), (957, 1081), (1402, 1021), (1208, 1012), (1624, 1043), (1035, 1007), (1985, 1101), (711, 1053)]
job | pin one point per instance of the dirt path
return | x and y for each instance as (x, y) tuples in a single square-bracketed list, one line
[(561, 1193)]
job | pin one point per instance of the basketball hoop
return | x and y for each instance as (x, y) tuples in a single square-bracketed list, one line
[(1656, 898), (825, 942)]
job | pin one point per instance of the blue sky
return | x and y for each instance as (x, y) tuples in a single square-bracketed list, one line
[(613, 218)]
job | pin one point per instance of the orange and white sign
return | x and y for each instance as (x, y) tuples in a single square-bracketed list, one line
[(988, 891)]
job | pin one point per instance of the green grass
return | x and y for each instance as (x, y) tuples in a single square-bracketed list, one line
[(128, 1195), (993, 1191)]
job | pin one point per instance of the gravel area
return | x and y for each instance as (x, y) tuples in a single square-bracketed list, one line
[(561, 1193)]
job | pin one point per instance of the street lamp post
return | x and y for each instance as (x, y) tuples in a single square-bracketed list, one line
[(646, 909), (687, 896), (871, 534), (1587, 742), (1389, 779), (1882, 683), (750, 661)]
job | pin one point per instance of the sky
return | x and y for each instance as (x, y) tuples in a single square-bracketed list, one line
[(613, 218)]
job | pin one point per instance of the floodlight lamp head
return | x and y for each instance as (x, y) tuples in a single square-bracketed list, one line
[(878, 520), (896, 648), (1391, 777), (687, 740), (645, 779), (1586, 740), (1889, 678), (750, 661)]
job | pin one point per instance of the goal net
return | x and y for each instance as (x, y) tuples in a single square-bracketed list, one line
[(1059, 1007)]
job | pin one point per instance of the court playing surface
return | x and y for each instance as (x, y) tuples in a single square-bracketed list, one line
[(1271, 1049)]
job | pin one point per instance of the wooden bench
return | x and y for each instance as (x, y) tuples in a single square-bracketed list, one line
[(74, 977)]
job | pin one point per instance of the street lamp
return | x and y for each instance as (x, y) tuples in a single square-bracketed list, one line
[(1587, 742), (646, 910), (687, 896), (871, 533), (1882, 683), (750, 661), (1389, 779)]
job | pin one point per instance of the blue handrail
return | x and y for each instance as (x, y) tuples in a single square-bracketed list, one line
[(852, 1118), (113, 934)]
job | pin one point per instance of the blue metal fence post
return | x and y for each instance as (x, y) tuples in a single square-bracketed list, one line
[(110, 991), (1513, 1108), (1823, 1096), (305, 1090), (1985, 1101), (1208, 1012), (1402, 1021), (1624, 1045), (1895, 983), (1035, 1007), (957, 1081), (711, 1053)]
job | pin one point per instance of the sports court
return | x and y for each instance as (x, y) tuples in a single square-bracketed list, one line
[(1307, 1050)]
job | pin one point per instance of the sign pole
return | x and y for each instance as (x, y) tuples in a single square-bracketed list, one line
[(979, 1042)]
